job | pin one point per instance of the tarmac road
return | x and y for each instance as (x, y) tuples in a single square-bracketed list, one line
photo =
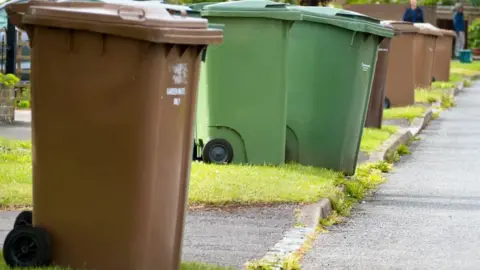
[(427, 216)]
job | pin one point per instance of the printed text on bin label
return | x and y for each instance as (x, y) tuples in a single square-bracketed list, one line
[(365, 67), (176, 91)]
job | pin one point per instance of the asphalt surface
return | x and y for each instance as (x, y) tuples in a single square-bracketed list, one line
[(233, 238), (21, 129), (427, 216), (227, 238)]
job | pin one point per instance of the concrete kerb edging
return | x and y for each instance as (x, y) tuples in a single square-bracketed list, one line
[(295, 238)]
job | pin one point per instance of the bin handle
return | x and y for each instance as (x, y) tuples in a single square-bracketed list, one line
[(131, 14), (15, 14)]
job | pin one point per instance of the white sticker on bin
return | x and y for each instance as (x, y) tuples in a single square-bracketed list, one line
[(176, 101), (365, 67), (176, 91), (180, 73)]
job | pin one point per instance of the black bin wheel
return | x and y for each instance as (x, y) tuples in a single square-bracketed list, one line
[(25, 218), (218, 151), (27, 246), (387, 104)]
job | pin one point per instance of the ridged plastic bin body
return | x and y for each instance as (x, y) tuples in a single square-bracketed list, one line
[(330, 74), (242, 93)]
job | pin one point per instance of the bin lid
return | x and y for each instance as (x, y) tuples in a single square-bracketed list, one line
[(172, 8), (199, 6), (251, 9), (401, 27), (446, 32), (343, 18), (428, 29), (139, 20)]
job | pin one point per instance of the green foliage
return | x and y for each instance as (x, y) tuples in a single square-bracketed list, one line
[(474, 34), (8, 80), (437, 2), (24, 103), (403, 150), (448, 101)]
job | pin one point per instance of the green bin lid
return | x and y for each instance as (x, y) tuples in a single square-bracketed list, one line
[(345, 19), (199, 6), (251, 9)]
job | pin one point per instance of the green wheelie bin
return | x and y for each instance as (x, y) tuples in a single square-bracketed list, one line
[(331, 61), (241, 114)]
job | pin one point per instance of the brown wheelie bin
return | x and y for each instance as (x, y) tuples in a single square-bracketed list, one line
[(377, 93), (425, 43), (400, 81), (113, 101), (443, 55)]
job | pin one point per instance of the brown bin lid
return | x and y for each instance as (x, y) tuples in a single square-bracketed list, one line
[(428, 29), (127, 19), (446, 32), (401, 27)]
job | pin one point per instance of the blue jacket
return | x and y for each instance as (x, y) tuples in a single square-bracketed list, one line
[(458, 22), (413, 15)]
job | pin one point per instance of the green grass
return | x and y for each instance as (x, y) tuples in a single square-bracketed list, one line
[(243, 184), (463, 69), (209, 184), (443, 85), (373, 138), (429, 96), (408, 113), (403, 150), (475, 65), (184, 266)]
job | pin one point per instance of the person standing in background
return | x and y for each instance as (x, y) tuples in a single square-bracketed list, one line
[(413, 13), (459, 28)]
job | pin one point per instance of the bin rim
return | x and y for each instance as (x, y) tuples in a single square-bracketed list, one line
[(353, 21), (335, 13), (146, 22), (351, 24), (251, 9), (447, 32), (197, 7), (401, 27), (428, 29)]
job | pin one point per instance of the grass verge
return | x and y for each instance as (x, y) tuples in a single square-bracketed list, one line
[(184, 266), (409, 113), (474, 66), (215, 185), (444, 85), (430, 96), (469, 69), (210, 185), (373, 138), (243, 184)]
